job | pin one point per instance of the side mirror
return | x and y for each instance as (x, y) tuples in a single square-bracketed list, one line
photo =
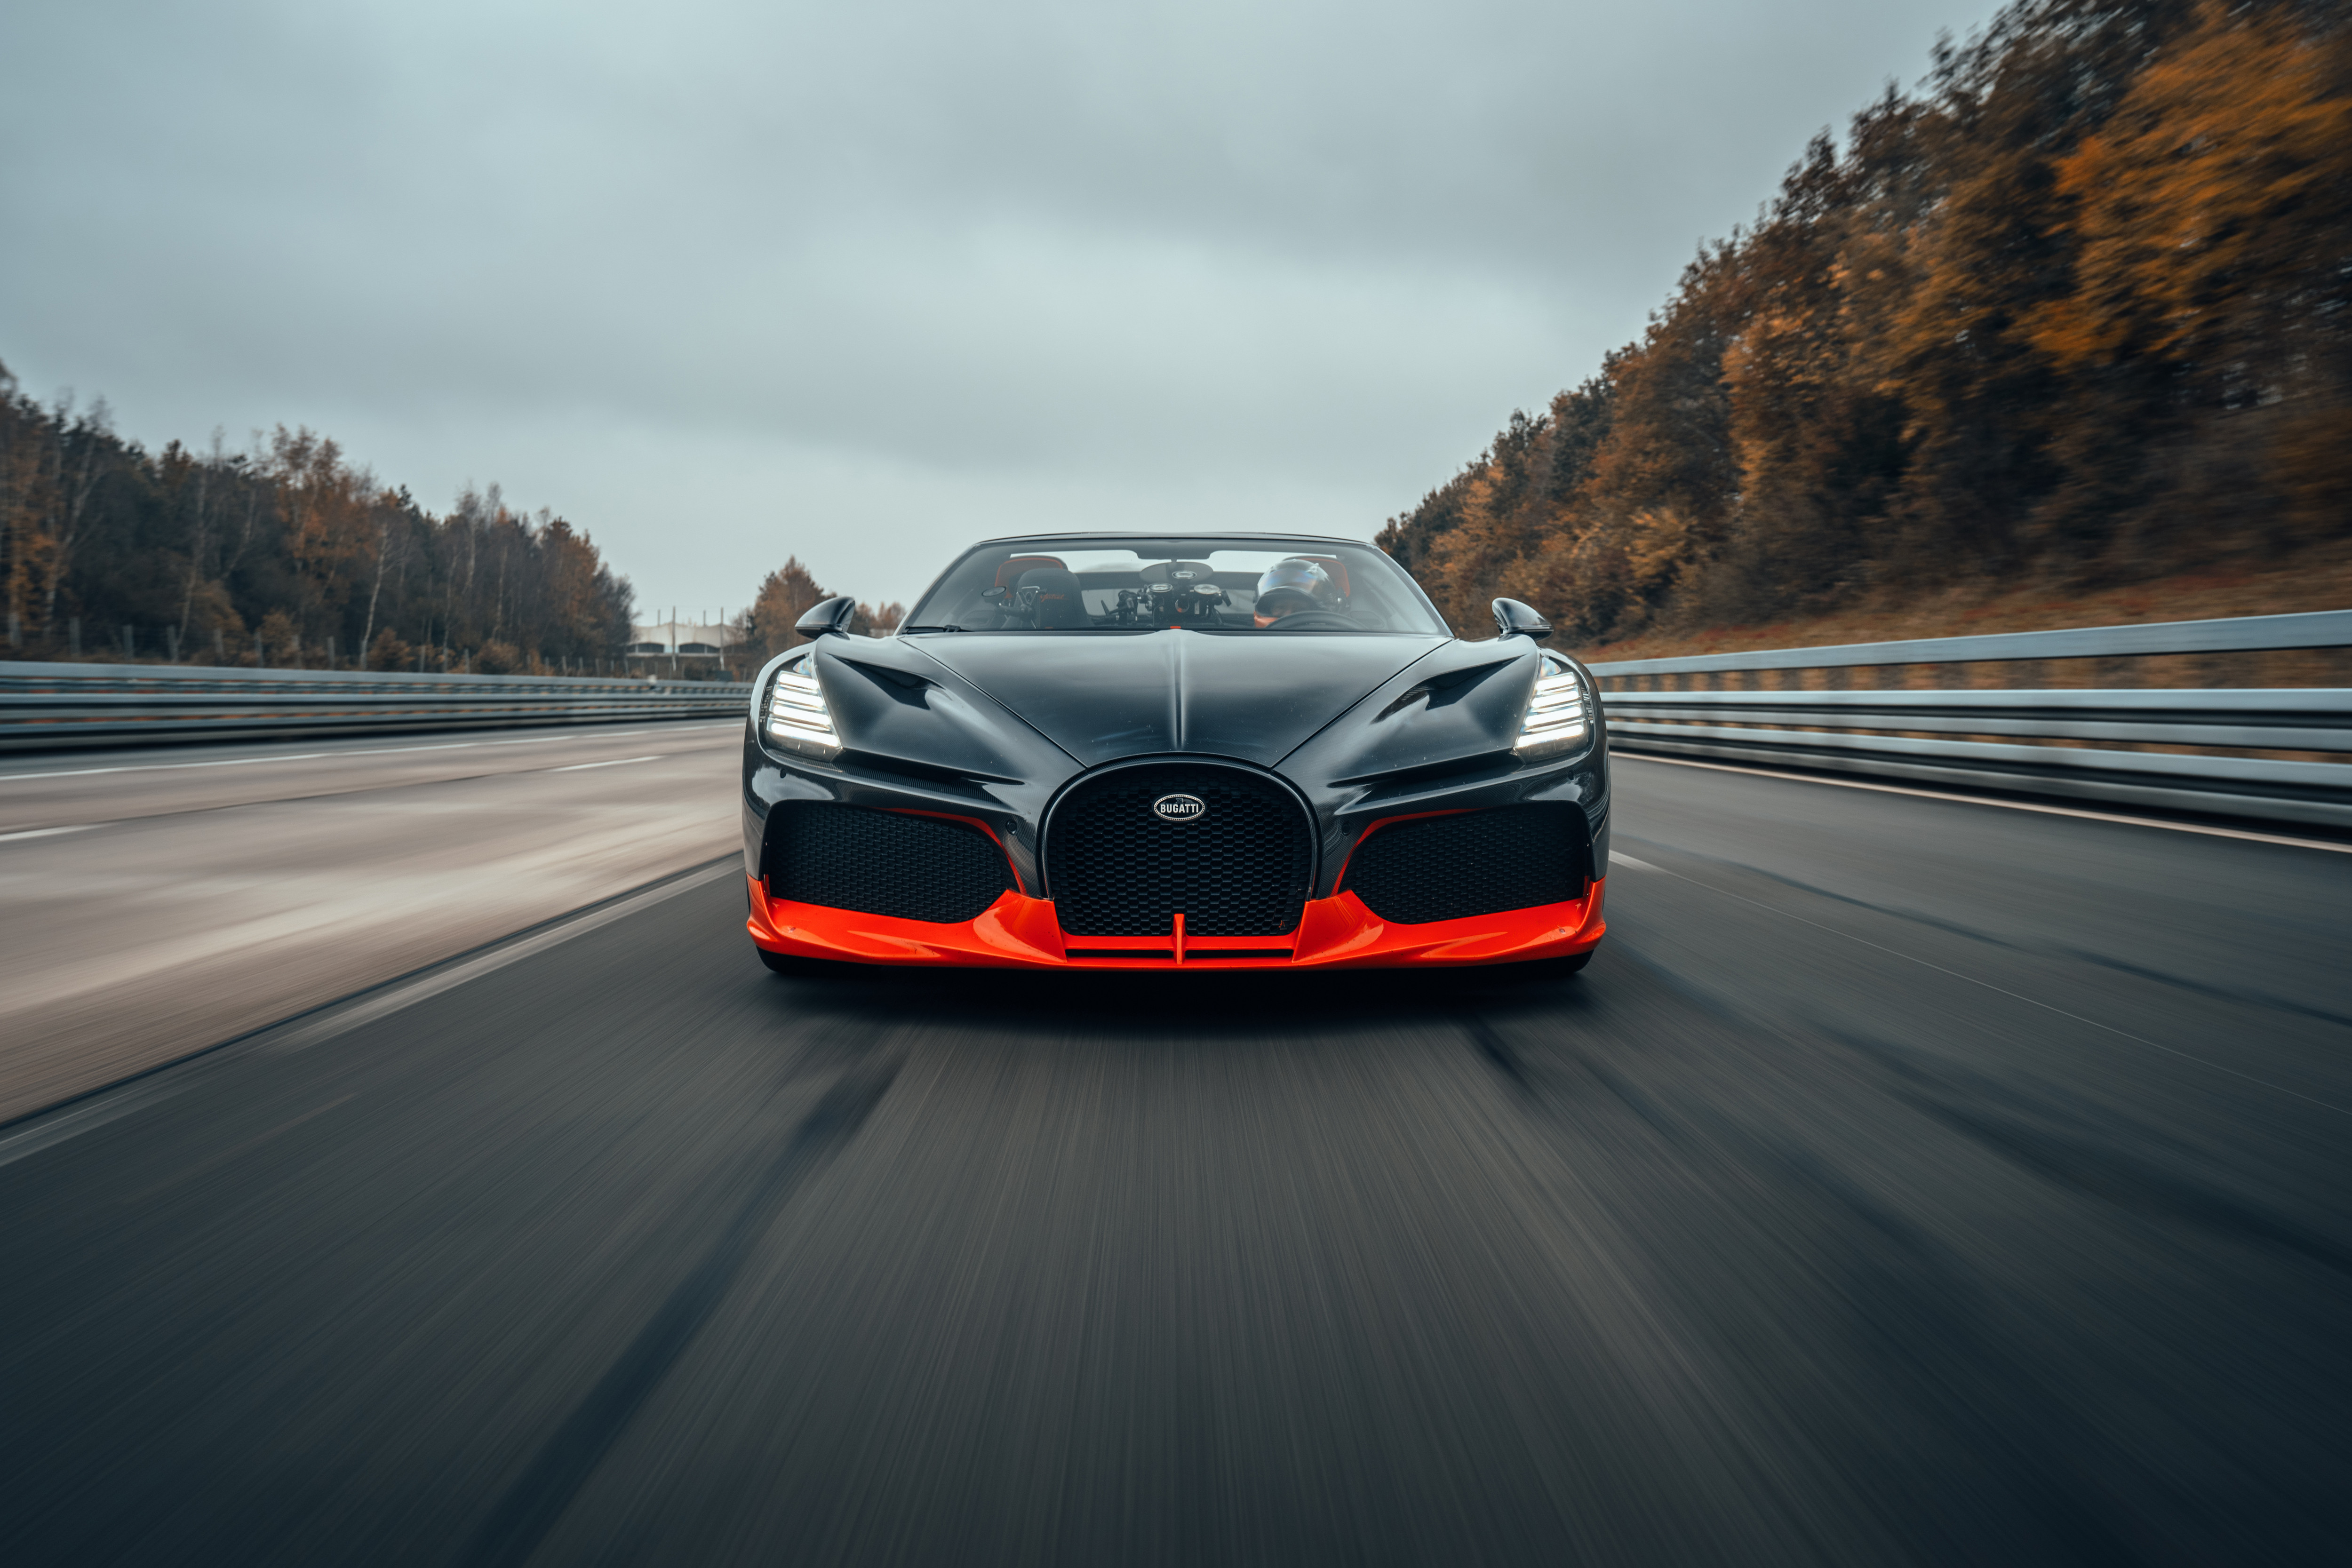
[(1513, 619), (830, 615)]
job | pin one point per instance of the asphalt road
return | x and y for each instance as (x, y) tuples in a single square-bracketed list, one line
[(155, 902), (1906, 1182)]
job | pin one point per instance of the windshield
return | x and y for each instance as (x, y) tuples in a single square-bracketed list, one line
[(1141, 584)]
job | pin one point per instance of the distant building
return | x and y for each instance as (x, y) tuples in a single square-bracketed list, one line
[(675, 640)]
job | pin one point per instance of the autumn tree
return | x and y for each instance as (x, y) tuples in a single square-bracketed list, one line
[(785, 595), (278, 554), (2207, 335), (2078, 308)]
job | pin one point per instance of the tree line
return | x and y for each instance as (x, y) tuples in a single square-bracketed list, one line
[(2079, 308), (787, 595), (284, 554)]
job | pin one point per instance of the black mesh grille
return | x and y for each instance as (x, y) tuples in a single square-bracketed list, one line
[(882, 862), (1238, 869), (1473, 863)]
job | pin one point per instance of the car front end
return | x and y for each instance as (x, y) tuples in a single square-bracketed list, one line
[(1173, 791)]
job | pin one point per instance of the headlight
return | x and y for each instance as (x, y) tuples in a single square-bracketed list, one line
[(797, 716), (1558, 713)]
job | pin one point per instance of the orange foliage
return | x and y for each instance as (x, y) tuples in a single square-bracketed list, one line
[(2081, 312), (292, 540), (2212, 208), (785, 595)]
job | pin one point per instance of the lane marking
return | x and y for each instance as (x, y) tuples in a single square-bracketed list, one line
[(356, 751), (42, 1129), (1616, 859), (45, 832), (294, 756), (2005, 804), (617, 762), (162, 766), (1781, 914), (441, 745)]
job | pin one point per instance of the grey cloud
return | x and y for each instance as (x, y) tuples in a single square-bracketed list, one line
[(724, 280)]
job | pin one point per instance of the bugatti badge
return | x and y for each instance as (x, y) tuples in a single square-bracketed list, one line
[(1178, 808)]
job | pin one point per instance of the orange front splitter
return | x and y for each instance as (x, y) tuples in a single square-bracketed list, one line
[(1021, 931)]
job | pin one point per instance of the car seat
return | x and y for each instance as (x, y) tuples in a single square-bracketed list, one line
[(1009, 574), (1059, 601)]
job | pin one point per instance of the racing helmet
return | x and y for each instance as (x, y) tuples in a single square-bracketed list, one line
[(1292, 585)]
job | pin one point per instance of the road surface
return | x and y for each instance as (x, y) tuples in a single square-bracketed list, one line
[(1907, 1181), (152, 903)]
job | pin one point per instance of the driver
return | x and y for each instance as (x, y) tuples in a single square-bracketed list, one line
[(1290, 586)]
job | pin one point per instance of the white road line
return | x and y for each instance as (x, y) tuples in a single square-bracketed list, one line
[(617, 762), (160, 767), (370, 751), (45, 832), (442, 746), (2004, 805), (1616, 859)]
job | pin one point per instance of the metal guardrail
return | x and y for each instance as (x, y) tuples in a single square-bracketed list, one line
[(1902, 734), (2240, 634), (53, 706)]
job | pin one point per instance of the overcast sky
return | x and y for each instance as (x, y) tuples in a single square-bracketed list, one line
[(724, 282)]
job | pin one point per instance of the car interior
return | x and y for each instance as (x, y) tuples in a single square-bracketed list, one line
[(1098, 589)]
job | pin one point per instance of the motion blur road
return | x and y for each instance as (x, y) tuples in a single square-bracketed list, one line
[(154, 902), (1907, 1181)]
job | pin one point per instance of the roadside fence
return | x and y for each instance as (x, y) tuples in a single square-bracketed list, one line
[(52, 706), (2040, 712), (2064, 714)]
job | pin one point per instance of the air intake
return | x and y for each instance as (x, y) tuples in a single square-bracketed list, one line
[(1471, 863), (882, 862), (1131, 848)]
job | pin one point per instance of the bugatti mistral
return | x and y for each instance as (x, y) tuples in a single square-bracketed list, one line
[(1210, 751)]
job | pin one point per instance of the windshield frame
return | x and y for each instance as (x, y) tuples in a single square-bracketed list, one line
[(930, 615)]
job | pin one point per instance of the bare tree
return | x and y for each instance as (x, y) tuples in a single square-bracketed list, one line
[(386, 512), (78, 452), (200, 533)]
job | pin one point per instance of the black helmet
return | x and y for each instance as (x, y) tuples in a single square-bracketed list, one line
[(1292, 585)]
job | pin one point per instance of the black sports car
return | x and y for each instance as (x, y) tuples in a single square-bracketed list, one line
[(1223, 750)]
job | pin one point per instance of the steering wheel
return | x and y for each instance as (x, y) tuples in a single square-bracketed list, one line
[(1315, 620)]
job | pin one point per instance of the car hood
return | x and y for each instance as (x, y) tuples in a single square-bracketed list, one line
[(1104, 697)]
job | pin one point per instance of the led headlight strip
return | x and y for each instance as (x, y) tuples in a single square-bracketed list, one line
[(797, 716), (1558, 715)]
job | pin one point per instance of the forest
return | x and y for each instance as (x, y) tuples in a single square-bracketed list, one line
[(285, 554), (2078, 310), (787, 595)]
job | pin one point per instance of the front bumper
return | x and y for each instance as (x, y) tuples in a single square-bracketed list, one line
[(1021, 931)]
